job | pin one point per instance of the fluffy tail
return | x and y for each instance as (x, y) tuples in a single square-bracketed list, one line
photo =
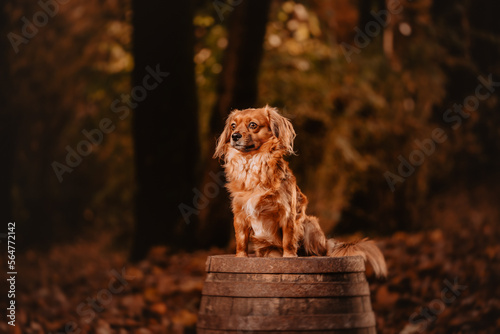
[(365, 248), (315, 243)]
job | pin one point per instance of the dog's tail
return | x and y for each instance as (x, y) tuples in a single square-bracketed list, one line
[(365, 248), (315, 243)]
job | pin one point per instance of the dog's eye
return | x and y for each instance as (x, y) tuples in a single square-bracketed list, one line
[(233, 126), (253, 125)]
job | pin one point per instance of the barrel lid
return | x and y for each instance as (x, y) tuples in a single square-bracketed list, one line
[(284, 265)]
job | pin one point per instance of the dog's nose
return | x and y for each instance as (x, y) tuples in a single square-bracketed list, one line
[(236, 136)]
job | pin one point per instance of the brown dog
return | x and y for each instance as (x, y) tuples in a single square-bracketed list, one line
[(269, 208)]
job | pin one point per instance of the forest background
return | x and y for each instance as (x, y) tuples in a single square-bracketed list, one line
[(109, 111)]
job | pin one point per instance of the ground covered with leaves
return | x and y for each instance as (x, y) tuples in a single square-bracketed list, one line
[(443, 280)]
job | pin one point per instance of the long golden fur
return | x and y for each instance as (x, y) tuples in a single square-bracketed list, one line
[(268, 207)]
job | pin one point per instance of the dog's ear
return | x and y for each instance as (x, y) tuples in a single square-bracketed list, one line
[(282, 129), (220, 146)]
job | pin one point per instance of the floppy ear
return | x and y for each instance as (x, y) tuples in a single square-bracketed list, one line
[(220, 146), (282, 129)]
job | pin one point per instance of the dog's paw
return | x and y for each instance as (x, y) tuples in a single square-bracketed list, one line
[(286, 254), (241, 254)]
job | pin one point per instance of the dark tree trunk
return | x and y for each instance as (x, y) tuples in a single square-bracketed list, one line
[(237, 89), (470, 33), (165, 124), (366, 7)]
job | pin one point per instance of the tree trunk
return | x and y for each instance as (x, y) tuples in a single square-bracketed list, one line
[(165, 125), (237, 89), (366, 10), (472, 52)]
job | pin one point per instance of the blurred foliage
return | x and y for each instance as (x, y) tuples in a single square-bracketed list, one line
[(211, 41), (67, 76), (353, 119)]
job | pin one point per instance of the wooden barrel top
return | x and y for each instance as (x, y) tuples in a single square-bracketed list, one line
[(284, 265)]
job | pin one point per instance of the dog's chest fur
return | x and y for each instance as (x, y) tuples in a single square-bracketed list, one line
[(256, 188), (248, 172)]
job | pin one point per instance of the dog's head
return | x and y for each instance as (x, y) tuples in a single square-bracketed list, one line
[(248, 130)]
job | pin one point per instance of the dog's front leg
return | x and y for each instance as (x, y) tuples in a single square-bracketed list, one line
[(242, 232), (289, 239)]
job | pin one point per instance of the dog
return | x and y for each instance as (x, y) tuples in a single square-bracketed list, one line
[(268, 207)]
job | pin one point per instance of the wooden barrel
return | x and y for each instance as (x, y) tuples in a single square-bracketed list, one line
[(285, 295)]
